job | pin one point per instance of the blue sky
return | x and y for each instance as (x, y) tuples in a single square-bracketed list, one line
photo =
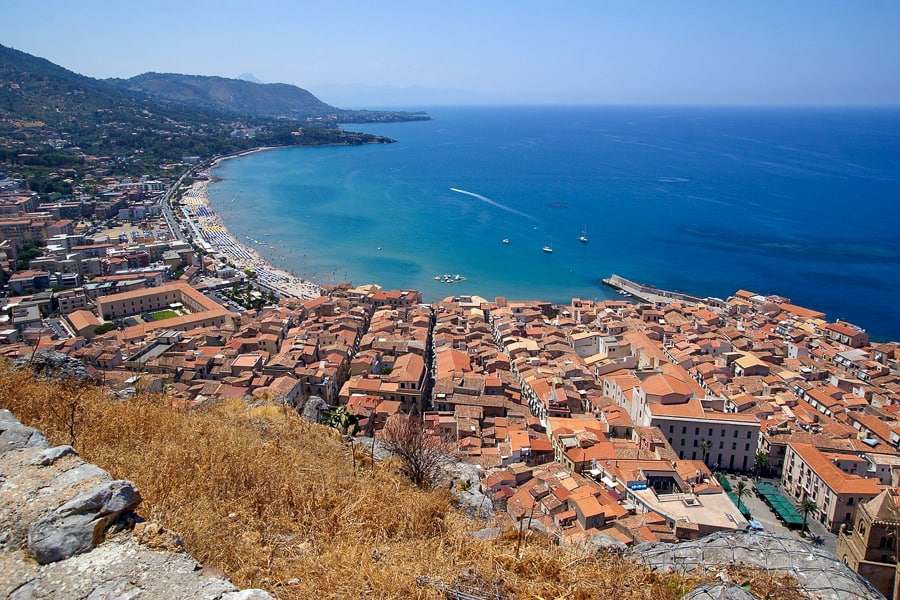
[(576, 52)]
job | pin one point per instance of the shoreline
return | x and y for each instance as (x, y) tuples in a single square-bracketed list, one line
[(218, 237), (215, 162)]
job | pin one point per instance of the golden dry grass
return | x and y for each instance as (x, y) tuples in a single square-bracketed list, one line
[(277, 504)]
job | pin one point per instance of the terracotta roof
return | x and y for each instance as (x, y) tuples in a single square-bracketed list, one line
[(831, 475)]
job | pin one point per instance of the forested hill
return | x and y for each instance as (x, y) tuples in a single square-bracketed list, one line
[(51, 118), (248, 98), (233, 95)]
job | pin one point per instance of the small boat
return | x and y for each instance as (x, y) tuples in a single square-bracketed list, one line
[(583, 237), (379, 247), (505, 240), (548, 249)]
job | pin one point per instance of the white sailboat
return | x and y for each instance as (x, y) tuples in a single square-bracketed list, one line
[(548, 248), (583, 237)]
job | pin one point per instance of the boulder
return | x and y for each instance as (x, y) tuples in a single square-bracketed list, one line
[(80, 524), (14, 435)]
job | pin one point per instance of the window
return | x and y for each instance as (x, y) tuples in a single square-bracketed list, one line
[(747, 447), (671, 429), (735, 433), (710, 432), (723, 433), (697, 431), (850, 501), (734, 445), (695, 443), (749, 434), (683, 430), (682, 441), (721, 445)]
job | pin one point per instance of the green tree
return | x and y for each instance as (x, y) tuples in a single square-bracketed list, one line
[(704, 447), (761, 463), (806, 507), (101, 329), (741, 489)]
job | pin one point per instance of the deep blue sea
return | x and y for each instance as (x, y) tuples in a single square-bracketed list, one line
[(800, 202)]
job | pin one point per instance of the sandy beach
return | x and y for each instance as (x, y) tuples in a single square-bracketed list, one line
[(213, 232)]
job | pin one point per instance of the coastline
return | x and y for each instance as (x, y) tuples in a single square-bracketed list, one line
[(213, 232), (834, 276), (215, 162)]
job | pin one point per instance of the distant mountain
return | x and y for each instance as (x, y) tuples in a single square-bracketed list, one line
[(53, 118), (249, 77), (231, 95)]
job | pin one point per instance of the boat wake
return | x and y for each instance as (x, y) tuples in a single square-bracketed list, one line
[(487, 200)]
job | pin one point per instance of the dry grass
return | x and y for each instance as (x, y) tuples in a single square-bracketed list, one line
[(277, 504)]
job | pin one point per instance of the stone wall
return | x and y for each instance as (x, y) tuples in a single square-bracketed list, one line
[(68, 530)]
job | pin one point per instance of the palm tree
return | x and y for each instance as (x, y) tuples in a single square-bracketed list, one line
[(806, 507), (740, 490), (704, 446), (761, 462)]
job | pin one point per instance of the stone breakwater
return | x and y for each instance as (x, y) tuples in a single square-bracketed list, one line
[(67, 530)]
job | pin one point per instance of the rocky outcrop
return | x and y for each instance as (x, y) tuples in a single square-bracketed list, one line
[(49, 363), (65, 532), (818, 571)]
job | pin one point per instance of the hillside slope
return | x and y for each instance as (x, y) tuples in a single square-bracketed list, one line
[(285, 506), (233, 95)]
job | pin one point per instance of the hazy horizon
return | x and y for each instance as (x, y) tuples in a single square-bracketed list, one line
[(833, 53)]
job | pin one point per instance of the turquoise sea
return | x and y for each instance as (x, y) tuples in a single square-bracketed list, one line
[(801, 202)]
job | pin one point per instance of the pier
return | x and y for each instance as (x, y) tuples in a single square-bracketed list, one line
[(659, 296)]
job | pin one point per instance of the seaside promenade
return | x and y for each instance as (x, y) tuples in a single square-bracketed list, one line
[(206, 223)]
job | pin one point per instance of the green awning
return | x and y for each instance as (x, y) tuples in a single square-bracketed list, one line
[(781, 505)]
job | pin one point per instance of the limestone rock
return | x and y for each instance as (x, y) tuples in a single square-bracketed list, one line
[(314, 409), (30, 490), (49, 363), (79, 524), (14, 435), (51, 455), (719, 591), (118, 568), (48, 493), (818, 571), (601, 541)]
